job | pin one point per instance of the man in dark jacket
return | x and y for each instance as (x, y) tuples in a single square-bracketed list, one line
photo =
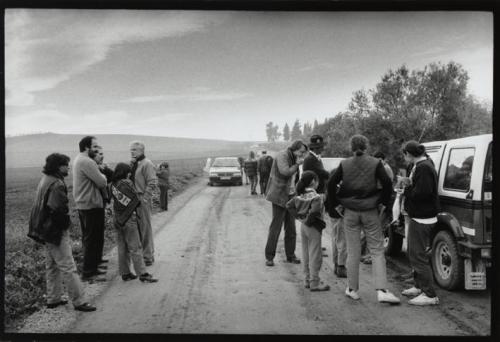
[(313, 162), (264, 168), (281, 188), (361, 201), (49, 224), (251, 171)]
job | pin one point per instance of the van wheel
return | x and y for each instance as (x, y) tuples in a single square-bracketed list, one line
[(447, 264)]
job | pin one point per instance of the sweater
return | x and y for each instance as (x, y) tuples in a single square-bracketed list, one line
[(145, 179), (280, 180), (163, 176), (250, 167), (308, 208), (87, 182), (421, 197)]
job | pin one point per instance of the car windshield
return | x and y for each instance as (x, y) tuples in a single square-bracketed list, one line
[(226, 162)]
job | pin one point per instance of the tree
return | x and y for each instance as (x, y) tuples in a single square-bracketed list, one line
[(307, 131), (286, 132), (296, 131), (272, 131), (315, 127)]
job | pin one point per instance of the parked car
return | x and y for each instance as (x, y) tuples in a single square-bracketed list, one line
[(224, 170), (462, 238)]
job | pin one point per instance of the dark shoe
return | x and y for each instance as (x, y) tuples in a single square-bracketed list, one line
[(129, 276), (148, 278), (56, 304), (86, 307), (340, 271), (323, 248), (269, 263), (148, 263), (320, 287), (103, 261), (293, 260), (102, 267)]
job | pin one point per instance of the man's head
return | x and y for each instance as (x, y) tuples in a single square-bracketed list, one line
[(88, 144), (56, 163), (264, 152), (251, 154), (316, 143), (467, 164), (359, 144), (98, 155), (298, 148), (136, 149)]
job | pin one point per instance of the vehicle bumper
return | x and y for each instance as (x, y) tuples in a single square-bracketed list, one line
[(232, 179)]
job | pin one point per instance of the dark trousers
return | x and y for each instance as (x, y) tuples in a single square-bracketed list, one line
[(92, 224), (418, 247), (280, 216), (264, 177), (163, 197), (253, 183)]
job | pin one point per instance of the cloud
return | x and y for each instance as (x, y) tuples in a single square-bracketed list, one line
[(198, 94), (46, 47)]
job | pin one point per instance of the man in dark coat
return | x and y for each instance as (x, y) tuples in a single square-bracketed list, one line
[(313, 162), (264, 168)]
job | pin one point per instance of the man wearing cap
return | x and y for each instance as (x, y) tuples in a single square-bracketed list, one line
[(264, 168)]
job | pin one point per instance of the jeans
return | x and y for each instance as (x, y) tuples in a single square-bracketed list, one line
[(339, 248), (419, 242), (264, 178), (367, 220), (143, 212), (311, 253), (129, 248), (253, 183), (280, 216), (59, 266), (163, 197), (92, 225)]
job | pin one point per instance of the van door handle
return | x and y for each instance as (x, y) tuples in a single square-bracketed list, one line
[(470, 194)]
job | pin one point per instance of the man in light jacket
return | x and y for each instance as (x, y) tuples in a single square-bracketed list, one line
[(280, 189)]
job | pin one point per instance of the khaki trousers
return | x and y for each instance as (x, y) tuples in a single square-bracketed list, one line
[(144, 212)]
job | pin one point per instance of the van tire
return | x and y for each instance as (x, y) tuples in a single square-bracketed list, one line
[(447, 264)]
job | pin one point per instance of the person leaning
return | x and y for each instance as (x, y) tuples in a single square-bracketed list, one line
[(360, 198), (281, 188), (264, 169), (125, 201), (145, 180), (163, 175), (422, 205), (250, 166), (88, 182), (49, 224)]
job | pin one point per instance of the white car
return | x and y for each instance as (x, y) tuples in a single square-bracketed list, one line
[(224, 170)]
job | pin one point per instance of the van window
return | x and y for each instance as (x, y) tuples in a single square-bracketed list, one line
[(459, 169)]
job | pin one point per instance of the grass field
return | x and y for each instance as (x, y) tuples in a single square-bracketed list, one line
[(24, 260)]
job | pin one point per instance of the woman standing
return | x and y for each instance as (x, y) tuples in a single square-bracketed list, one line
[(163, 183), (422, 205)]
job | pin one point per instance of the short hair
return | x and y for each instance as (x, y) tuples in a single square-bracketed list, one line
[(414, 148), (86, 142), (53, 162), (359, 144), (138, 143), (380, 155), (297, 144), (305, 180), (264, 152), (121, 172)]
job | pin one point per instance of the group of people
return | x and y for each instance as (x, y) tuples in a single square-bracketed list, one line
[(354, 198), (257, 170), (130, 186)]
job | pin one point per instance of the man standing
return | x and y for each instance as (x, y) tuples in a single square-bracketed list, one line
[(88, 182), (361, 201), (284, 175), (49, 224), (251, 165), (264, 168), (145, 180)]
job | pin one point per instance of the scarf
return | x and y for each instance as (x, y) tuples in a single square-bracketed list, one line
[(134, 167)]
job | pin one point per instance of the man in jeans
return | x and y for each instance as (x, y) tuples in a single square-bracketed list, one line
[(49, 224), (88, 182), (281, 188), (360, 200)]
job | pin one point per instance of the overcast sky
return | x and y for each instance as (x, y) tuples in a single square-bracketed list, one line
[(221, 75)]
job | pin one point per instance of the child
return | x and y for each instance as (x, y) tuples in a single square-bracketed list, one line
[(308, 207), (125, 201)]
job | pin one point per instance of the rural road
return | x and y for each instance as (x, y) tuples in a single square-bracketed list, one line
[(210, 262)]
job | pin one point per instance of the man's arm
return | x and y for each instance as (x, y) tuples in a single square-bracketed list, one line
[(282, 164), (151, 180), (91, 170), (331, 193), (386, 182)]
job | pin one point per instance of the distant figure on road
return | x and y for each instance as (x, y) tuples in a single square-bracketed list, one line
[(264, 169), (281, 188), (163, 175), (88, 182), (125, 201), (422, 206), (362, 201), (145, 180), (308, 207), (241, 160), (251, 171), (49, 224)]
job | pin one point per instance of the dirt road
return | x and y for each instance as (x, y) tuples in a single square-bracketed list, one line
[(210, 262)]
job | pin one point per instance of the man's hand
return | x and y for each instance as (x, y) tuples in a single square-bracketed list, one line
[(300, 161)]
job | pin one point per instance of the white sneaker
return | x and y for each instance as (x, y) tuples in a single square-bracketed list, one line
[(387, 297), (352, 294), (411, 292), (422, 299)]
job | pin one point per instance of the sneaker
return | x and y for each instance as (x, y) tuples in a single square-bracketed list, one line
[(86, 307), (423, 299), (411, 292), (148, 278), (320, 287), (340, 271), (129, 276), (385, 296), (269, 263), (351, 293)]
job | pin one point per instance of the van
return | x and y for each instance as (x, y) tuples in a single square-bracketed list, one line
[(461, 241)]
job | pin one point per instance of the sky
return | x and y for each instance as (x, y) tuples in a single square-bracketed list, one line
[(218, 74)]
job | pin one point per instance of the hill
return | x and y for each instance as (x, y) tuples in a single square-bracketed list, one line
[(31, 150)]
